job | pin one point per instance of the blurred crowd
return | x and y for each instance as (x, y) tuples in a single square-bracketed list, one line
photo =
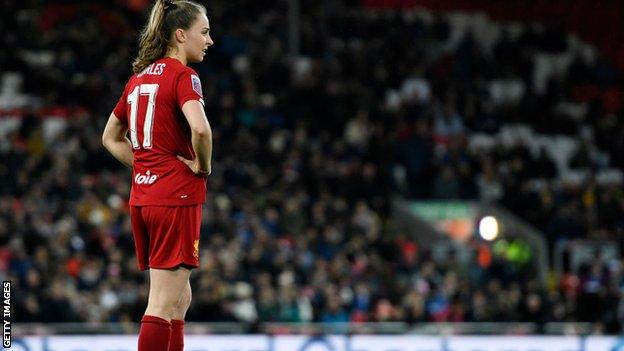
[(308, 153)]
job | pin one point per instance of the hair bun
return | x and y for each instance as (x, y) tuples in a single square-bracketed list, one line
[(168, 4)]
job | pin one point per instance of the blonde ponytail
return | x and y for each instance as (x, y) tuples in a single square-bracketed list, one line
[(165, 17)]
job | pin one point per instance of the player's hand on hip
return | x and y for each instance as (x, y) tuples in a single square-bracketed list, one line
[(194, 166)]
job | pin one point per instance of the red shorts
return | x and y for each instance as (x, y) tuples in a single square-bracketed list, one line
[(166, 236)]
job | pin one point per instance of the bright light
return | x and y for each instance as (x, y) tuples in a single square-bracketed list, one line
[(488, 228)]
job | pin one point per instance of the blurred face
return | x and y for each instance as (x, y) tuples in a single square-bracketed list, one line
[(197, 39)]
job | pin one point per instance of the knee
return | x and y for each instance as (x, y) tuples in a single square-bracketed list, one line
[(165, 308), (185, 300), (182, 306)]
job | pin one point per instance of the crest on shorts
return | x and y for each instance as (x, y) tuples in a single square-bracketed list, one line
[(196, 247), (196, 83)]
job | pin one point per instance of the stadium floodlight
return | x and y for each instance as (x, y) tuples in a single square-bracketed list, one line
[(488, 228)]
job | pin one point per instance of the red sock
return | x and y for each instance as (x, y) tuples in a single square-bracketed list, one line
[(176, 343), (154, 334)]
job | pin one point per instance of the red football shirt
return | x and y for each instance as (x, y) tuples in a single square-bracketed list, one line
[(151, 107)]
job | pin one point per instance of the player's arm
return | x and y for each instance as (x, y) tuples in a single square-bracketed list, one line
[(115, 141), (201, 137)]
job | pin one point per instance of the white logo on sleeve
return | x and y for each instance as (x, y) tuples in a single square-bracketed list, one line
[(196, 84), (145, 179)]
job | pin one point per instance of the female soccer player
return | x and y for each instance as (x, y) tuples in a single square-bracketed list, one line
[(169, 151)]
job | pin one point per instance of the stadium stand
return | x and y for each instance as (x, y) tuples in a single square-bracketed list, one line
[(309, 151)]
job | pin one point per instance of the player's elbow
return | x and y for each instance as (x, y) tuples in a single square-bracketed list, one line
[(106, 141), (202, 131)]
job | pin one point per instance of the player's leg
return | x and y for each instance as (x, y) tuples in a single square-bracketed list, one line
[(176, 343), (174, 242), (183, 303), (166, 286), (189, 249)]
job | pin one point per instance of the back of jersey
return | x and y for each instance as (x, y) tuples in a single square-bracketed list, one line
[(151, 107)]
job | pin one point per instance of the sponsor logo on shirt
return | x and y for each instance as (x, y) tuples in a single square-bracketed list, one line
[(145, 179)]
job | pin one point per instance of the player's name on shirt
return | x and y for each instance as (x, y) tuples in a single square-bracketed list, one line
[(155, 69)]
